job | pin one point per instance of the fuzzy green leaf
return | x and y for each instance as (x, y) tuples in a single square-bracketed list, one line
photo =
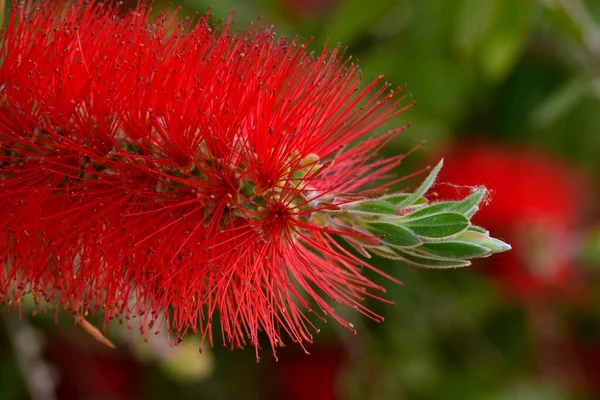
[(468, 206), (357, 246), (396, 235), (432, 209), (475, 228), (431, 262), (398, 198), (438, 226), (385, 253), (482, 239), (455, 249), (375, 207), (424, 187)]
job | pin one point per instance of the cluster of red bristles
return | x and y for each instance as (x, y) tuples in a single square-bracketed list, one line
[(166, 170)]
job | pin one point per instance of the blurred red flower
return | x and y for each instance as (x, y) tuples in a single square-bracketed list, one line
[(297, 376), (537, 205), (86, 372)]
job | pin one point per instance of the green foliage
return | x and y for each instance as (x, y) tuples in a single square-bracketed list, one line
[(393, 234), (376, 207), (438, 226), (423, 187), (351, 18), (505, 37), (406, 227), (456, 249)]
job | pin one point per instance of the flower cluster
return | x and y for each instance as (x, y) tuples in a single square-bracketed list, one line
[(193, 176)]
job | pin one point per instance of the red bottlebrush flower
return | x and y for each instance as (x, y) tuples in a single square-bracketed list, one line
[(288, 378), (85, 371), (536, 203), (184, 174)]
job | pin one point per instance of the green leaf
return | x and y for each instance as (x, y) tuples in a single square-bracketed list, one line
[(424, 187), (482, 239), (396, 235), (505, 38), (431, 262), (356, 246), (473, 18), (455, 250), (439, 225), (375, 207), (435, 208), (479, 229), (385, 253), (357, 236), (468, 206), (396, 198), (399, 198)]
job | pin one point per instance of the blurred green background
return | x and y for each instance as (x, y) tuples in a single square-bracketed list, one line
[(508, 91)]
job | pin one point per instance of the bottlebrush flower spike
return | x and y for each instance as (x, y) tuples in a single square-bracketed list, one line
[(186, 174)]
